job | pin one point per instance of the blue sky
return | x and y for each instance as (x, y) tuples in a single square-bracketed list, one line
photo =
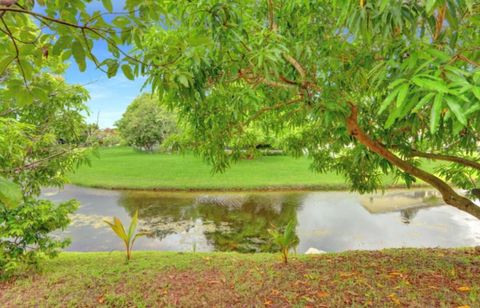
[(108, 97)]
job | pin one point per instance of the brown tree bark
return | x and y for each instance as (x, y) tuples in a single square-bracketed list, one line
[(448, 194)]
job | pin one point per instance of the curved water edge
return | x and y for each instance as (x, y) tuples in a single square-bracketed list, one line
[(238, 221)]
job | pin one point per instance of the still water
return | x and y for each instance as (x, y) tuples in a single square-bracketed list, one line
[(329, 221)]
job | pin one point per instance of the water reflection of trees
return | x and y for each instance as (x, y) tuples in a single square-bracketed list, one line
[(407, 215), (249, 222), (160, 214), (237, 222)]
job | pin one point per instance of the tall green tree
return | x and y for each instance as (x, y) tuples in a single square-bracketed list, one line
[(42, 128), (366, 87), (146, 123)]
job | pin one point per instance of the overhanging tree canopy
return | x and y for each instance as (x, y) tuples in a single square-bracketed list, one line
[(366, 86)]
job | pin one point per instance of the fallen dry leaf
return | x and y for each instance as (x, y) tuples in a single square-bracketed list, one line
[(394, 298), (322, 294), (345, 275), (275, 292), (100, 299), (463, 289)]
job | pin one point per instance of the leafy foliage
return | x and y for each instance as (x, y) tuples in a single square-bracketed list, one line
[(409, 69), (146, 124), (26, 233), (10, 193), (40, 142)]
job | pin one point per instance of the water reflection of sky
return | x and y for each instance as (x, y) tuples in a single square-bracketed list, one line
[(347, 225), (330, 221)]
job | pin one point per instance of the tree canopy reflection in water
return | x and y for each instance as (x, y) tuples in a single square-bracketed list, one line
[(330, 221), (234, 222)]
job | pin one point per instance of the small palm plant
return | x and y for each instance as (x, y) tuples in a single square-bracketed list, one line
[(128, 238), (285, 240)]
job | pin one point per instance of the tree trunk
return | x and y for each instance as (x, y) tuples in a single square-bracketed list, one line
[(285, 255), (448, 194)]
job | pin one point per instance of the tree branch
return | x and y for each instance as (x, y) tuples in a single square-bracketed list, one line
[(35, 164), (6, 3), (439, 21), (274, 107), (272, 25), (469, 61), (296, 65), (450, 158), (251, 78), (92, 56), (55, 20), (96, 31), (449, 195), (17, 51)]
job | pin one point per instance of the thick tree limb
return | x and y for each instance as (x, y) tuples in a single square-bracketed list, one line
[(451, 158), (448, 194)]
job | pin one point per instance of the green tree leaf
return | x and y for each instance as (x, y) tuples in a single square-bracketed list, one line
[(429, 84), (436, 112), (108, 5), (79, 55), (402, 94), (127, 71), (10, 193), (456, 109), (423, 101), (388, 100), (430, 5), (112, 68), (4, 62), (183, 80)]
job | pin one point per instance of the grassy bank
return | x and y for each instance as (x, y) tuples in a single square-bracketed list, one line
[(409, 277), (123, 168)]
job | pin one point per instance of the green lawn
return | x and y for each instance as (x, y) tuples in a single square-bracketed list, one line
[(388, 278), (123, 167)]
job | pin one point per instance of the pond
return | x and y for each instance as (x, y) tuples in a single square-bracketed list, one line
[(238, 221)]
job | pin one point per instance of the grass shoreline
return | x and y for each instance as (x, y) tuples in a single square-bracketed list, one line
[(279, 188), (420, 277), (122, 168)]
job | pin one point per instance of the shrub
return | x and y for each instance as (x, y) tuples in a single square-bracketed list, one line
[(25, 233)]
